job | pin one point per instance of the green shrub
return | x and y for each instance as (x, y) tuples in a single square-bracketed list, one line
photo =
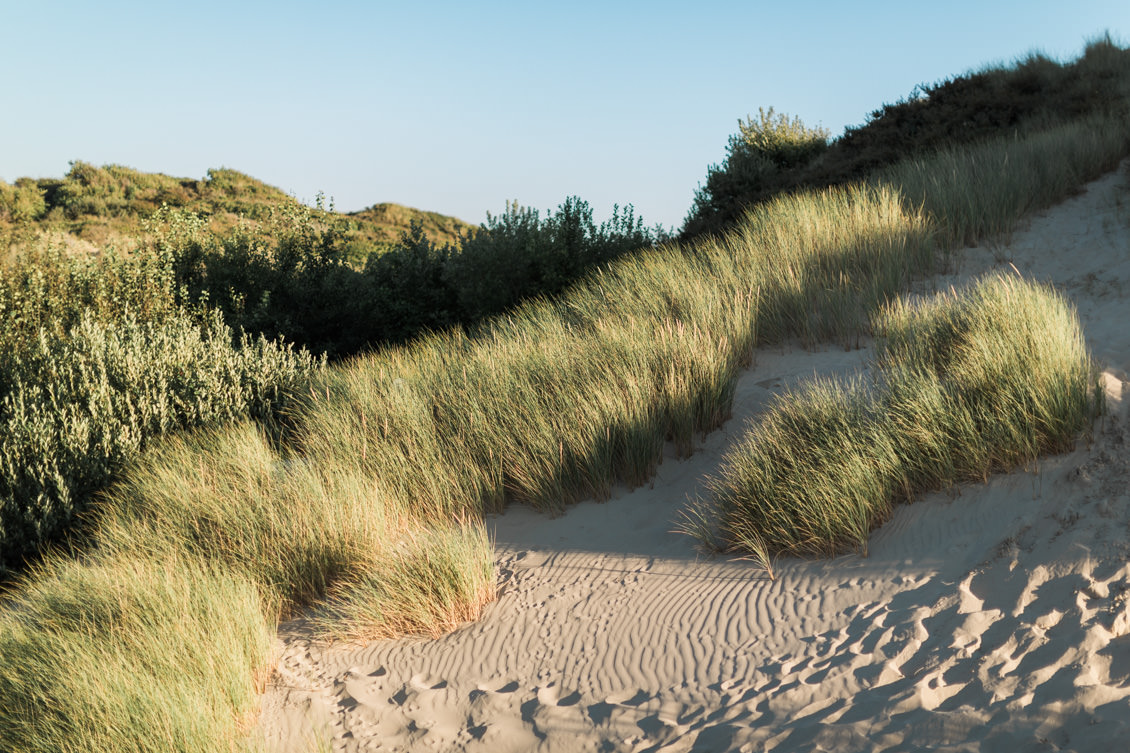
[(284, 277), (45, 290), (518, 255), (291, 276), (75, 408), (23, 202), (758, 158)]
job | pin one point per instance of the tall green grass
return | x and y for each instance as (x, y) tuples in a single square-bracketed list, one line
[(563, 399), (135, 653), (366, 513), (299, 530), (983, 191), (967, 384)]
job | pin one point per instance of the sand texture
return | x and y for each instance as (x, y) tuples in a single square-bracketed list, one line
[(990, 617)]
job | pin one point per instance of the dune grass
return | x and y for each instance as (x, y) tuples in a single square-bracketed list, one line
[(299, 530), (561, 400), (967, 383), (368, 513), (134, 654), (984, 190)]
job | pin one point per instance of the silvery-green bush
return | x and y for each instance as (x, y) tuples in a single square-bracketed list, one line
[(74, 406)]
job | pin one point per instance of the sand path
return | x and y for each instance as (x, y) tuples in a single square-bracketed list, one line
[(991, 617)]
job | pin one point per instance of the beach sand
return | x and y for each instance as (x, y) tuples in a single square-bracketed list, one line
[(987, 617)]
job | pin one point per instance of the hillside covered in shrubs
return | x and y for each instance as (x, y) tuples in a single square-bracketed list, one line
[(195, 326), (111, 204)]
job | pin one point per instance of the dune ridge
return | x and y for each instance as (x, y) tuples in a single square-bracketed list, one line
[(988, 617)]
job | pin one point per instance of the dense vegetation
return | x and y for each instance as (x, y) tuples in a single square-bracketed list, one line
[(382, 226), (100, 354), (356, 495), (299, 284), (776, 153), (97, 359), (761, 159), (110, 204)]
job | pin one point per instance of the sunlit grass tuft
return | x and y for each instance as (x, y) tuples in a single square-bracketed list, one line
[(432, 582), (298, 529), (965, 384), (134, 654)]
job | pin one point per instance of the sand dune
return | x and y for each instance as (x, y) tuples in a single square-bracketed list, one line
[(989, 617)]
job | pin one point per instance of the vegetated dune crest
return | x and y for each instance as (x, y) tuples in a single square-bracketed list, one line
[(989, 617)]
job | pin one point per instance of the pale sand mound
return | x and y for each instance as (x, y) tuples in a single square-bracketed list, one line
[(995, 618)]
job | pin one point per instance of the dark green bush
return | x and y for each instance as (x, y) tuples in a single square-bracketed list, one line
[(285, 277), (518, 255), (406, 291), (759, 159), (292, 277)]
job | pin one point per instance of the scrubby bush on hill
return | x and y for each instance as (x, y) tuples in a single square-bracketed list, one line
[(44, 292), (113, 203), (759, 160), (1036, 93), (22, 202), (116, 191), (378, 228)]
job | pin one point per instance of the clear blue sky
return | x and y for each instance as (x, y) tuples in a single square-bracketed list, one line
[(458, 106)]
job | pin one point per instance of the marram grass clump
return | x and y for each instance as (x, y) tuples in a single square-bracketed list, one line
[(132, 654), (301, 531), (965, 384)]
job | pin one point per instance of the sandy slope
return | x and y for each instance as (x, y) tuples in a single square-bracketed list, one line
[(992, 617)]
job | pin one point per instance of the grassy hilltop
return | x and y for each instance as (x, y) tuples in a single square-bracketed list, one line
[(178, 472), (109, 205), (774, 153)]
